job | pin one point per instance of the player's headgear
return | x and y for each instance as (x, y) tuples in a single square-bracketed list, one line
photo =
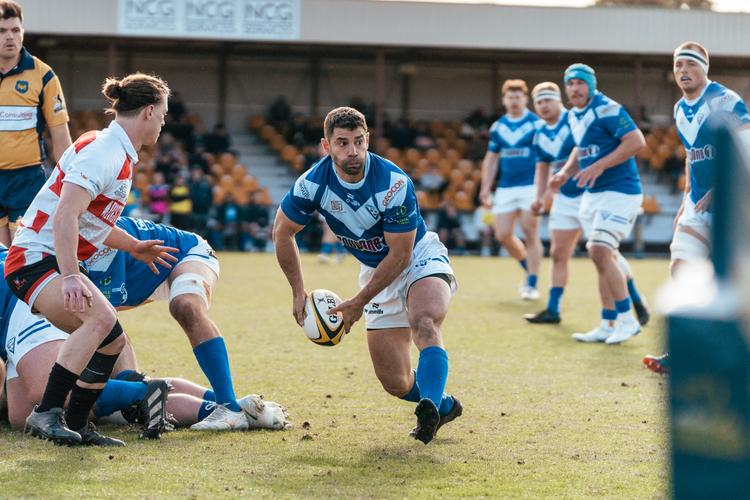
[(546, 90), (582, 72), (688, 53)]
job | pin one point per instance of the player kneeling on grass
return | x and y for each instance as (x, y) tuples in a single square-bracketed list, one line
[(29, 344), (406, 279)]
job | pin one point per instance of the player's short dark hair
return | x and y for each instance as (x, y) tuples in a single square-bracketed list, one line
[(343, 117), (128, 95), (10, 9), (515, 85)]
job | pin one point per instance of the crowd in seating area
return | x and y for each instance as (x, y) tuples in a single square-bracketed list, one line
[(192, 180), (444, 160)]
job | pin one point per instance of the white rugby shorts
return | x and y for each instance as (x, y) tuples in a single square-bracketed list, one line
[(685, 246), (564, 213), (510, 199), (388, 308), (25, 332), (201, 252), (609, 212)]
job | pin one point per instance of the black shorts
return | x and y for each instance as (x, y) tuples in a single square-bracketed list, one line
[(27, 280)]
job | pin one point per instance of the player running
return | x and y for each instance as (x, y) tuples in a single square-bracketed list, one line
[(70, 219), (553, 143), (406, 279), (508, 168), (701, 100), (602, 163)]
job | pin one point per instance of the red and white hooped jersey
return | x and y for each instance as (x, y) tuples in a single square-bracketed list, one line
[(101, 162)]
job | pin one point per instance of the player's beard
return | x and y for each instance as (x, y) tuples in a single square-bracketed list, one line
[(352, 168)]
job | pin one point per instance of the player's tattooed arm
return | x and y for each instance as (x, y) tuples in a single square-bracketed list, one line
[(287, 254)]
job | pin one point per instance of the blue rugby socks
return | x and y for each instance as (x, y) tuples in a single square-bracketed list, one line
[(118, 395), (214, 361), (553, 302), (445, 406), (432, 373)]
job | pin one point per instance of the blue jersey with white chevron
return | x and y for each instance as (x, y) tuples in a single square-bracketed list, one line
[(7, 301), (690, 116), (513, 140), (597, 130), (125, 281), (553, 145), (384, 201)]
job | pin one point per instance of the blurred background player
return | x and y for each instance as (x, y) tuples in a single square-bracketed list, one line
[(508, 169), (701, 99), (406, 280), (70, 219), (329, 245), (31, 99), (602, 162)]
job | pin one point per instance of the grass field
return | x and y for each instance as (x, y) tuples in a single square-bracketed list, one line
[(544, 417)]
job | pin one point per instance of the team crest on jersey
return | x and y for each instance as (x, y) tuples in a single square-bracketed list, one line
[(351, 200), (22, 86), (59, 104), (337, 206)]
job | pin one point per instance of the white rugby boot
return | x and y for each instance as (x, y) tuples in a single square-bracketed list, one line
[(598, 334), (627, 326), (222, 419), (264, 414), (528, 293)]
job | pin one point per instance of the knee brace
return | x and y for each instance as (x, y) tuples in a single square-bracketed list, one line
[(112, 336), (190, 283), (99, 368), (603, 237), (687, 247)]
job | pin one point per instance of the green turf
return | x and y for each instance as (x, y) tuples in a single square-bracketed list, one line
[(544, 417)]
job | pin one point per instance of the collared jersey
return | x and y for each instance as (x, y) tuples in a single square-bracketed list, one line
[(100, 162), (384, 201), (513, 140), (125, 281), (697, 139), (553, 145), (597, 130), (31, 98)]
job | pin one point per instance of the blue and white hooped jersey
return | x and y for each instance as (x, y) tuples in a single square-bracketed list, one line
[(698, 140), (7, 302), (384, 201), (125, 281), (553, 145), (597, 130), (513, 140)]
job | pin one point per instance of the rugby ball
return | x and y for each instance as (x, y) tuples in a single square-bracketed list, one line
[(320, 327)]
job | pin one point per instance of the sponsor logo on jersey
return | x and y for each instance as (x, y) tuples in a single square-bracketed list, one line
[(697, 155), (515, 152), (392, 191), (123, 294), (22, 86), (588, 152), (337, 206), (374, 244), (59, 104), (351, 200), (303, 190), (112, 212), (373, 211)]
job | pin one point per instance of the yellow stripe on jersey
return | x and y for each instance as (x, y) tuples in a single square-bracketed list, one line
[(31, 99)]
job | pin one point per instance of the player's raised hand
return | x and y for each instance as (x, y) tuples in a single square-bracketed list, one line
[(151, 252), (587, 177), (556, 182), (351, 311), (298, 307), (704, 203), (76, 295)]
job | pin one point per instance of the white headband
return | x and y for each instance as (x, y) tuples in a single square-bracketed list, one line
[(692, 55), (546, 94)]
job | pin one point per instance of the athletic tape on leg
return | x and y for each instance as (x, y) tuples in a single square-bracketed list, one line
[(115, 332), (190, 283)]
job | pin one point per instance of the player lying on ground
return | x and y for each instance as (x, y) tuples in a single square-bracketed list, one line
[(603, 163), (702, 99), (553, 143), (405, 278), (30, 345)]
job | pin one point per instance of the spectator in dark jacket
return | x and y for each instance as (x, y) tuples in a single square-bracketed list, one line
[(255, 225), (218, 140), (202, 197)]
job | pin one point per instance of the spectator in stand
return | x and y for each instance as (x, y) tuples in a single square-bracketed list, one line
[(401, 135), (199, 158), (169, 157), (201, 198), (224, 224), (423, 137), (279, 113), (298, 133), (180, 205), (158, 193), (431, 181), (255, 228), (177, 109), (218, 140), (477, 121), (674, 167), (449, 228)]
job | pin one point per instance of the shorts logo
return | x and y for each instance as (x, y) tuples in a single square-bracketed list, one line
[(336, 206), (374, 309), (11, 347), (22, 86), (392, 191)]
